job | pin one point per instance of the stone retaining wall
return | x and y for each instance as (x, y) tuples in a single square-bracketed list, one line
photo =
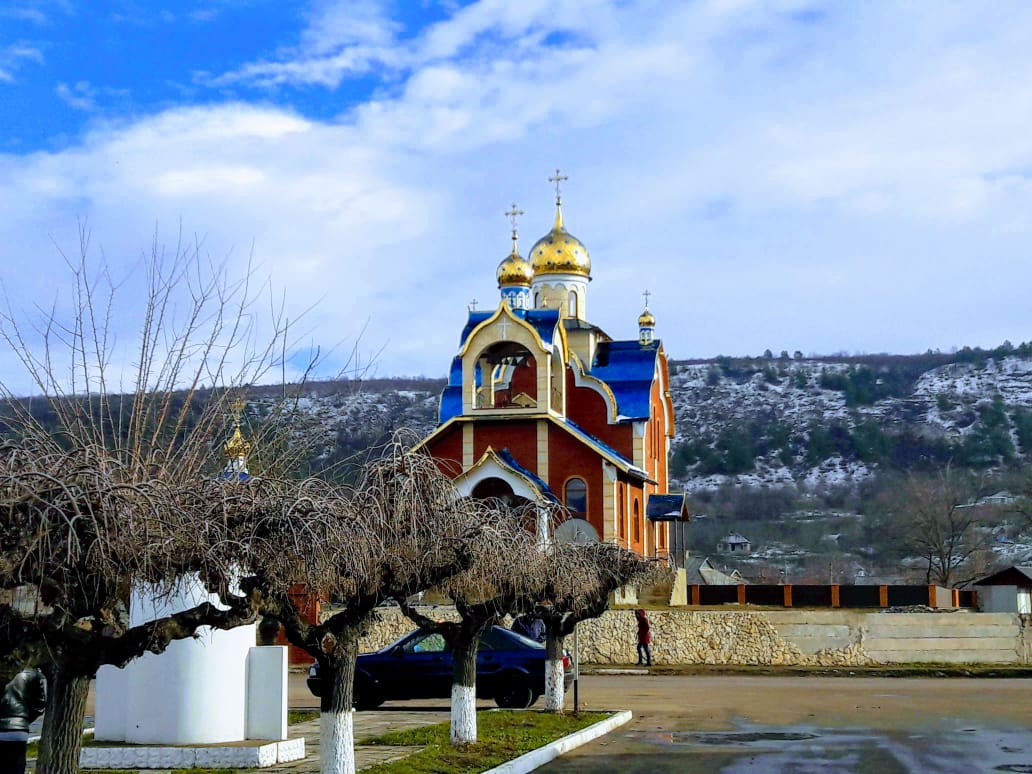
[(783, 637)]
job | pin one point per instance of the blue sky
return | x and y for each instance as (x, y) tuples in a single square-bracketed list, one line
[(841, 176)]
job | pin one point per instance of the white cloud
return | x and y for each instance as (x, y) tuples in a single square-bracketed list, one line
[(334, 25), (14, 56), (79, 95), (340, 39), (781, 178), (34, 15)]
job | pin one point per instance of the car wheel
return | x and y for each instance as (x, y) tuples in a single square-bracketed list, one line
[(515, 694), (365, 697)]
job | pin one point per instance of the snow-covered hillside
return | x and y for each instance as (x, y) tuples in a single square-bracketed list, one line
[(770, 400)]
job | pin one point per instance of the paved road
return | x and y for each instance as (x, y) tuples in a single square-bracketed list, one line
[(786, 724), (808, 724)]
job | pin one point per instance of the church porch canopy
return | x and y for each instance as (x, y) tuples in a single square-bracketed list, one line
[(501, 465), (667, 507)]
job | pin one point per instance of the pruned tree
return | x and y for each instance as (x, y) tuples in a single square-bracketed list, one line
[(403, 529), (505, 563), (574, 583), (110, 477)]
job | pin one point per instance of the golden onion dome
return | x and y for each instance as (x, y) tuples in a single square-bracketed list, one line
[(515, 270), (646, 320), (237, 445), (560, 252)]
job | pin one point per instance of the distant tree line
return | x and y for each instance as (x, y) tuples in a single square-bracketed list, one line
[(932, 358)]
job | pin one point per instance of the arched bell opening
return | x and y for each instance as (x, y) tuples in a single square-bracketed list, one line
[(508, 377)]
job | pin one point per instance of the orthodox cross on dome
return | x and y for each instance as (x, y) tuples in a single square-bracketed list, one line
[(558, 178), (513, 214), (647, 293), (473, 305)]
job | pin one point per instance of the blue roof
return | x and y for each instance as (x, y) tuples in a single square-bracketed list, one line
[(544, 321), (475, 318), (451, 397), (628, 368), (539, 483)]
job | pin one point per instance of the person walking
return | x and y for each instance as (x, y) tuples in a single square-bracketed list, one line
[(24, 700), (644, 638)]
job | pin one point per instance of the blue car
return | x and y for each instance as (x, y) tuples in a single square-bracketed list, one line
[(510, 670)]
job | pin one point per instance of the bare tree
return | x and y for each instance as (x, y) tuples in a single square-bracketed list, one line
[(402, 530), (935, 517), (114, 486), (506, 559)]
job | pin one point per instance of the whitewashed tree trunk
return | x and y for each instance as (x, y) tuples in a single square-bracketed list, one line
[(464, 692), (463, 714), (554, 674), (337, 717), (337, 742)]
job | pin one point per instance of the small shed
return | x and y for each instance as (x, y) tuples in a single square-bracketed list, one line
[(734, 544), (699, 571), (1006, 591)]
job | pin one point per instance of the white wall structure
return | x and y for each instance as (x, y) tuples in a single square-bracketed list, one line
[(267, 692), (198, 691)]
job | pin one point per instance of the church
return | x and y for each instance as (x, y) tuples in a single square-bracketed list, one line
[(545, 406)]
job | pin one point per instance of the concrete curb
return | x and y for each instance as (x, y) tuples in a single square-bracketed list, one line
[(549, 752), (615, 671)]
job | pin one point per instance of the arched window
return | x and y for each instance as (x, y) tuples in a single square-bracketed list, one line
[(577, 497), (621, 513), (636, 523), (573, 303)]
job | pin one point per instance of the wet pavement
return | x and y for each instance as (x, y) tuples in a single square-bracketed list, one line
[(804, 725), (805, 749)]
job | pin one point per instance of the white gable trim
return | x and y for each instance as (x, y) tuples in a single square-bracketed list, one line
[(490, 466)]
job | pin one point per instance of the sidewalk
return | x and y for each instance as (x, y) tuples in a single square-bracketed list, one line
[(367, 724)]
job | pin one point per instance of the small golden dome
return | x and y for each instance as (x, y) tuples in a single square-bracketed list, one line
[(515, 270), (560, 252), (646, 320), (237, 445)]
